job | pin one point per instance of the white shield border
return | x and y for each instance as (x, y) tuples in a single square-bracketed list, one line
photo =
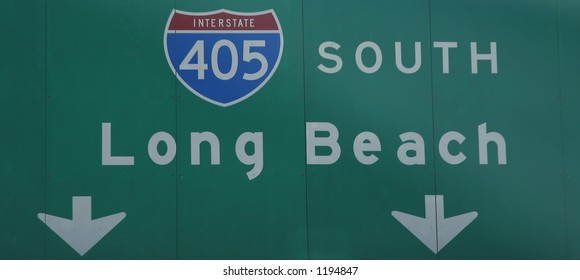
[(233, 13)]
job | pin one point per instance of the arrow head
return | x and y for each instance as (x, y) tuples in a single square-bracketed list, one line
[(435, 231), (81, 233), (421, 228), (448, 229)]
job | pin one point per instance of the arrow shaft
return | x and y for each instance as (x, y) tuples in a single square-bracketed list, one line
[(82, 208), (439, 203), (430, 207)]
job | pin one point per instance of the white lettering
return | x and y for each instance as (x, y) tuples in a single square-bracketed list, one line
[(366, 142), (312, 142), (196, 139), (214, 60), (399, 59), (492, 56), (337, 60), (154, 143), (106, 157), (370, 69), (484, 139), (378, 57), (445, 46), (417, 145), (257, 158), (444, 147)]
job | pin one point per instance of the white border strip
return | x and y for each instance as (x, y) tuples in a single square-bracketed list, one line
[(235, 13), (223, 31), (367, 270)]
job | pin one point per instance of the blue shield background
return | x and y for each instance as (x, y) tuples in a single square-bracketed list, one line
[(223, 92)]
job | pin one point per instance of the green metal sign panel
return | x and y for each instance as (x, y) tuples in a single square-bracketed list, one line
[(569, 41), (350, 202), (23, 126), (289, 130), (521, 103), (108, 80), (223, 210)]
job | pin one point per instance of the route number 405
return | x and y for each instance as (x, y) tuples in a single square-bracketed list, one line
[(248, 55)]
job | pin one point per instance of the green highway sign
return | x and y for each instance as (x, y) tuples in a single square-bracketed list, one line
[(290, 129)]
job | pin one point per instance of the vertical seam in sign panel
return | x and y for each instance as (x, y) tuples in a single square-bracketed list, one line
[(304, 131), (176, 157), (45, 183), (433, 127), (562, 150)]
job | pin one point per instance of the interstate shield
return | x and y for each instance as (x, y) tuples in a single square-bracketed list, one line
[(223, 56)]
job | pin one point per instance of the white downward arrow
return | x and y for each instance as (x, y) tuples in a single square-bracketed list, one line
[(82, 232), (435, 232)]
